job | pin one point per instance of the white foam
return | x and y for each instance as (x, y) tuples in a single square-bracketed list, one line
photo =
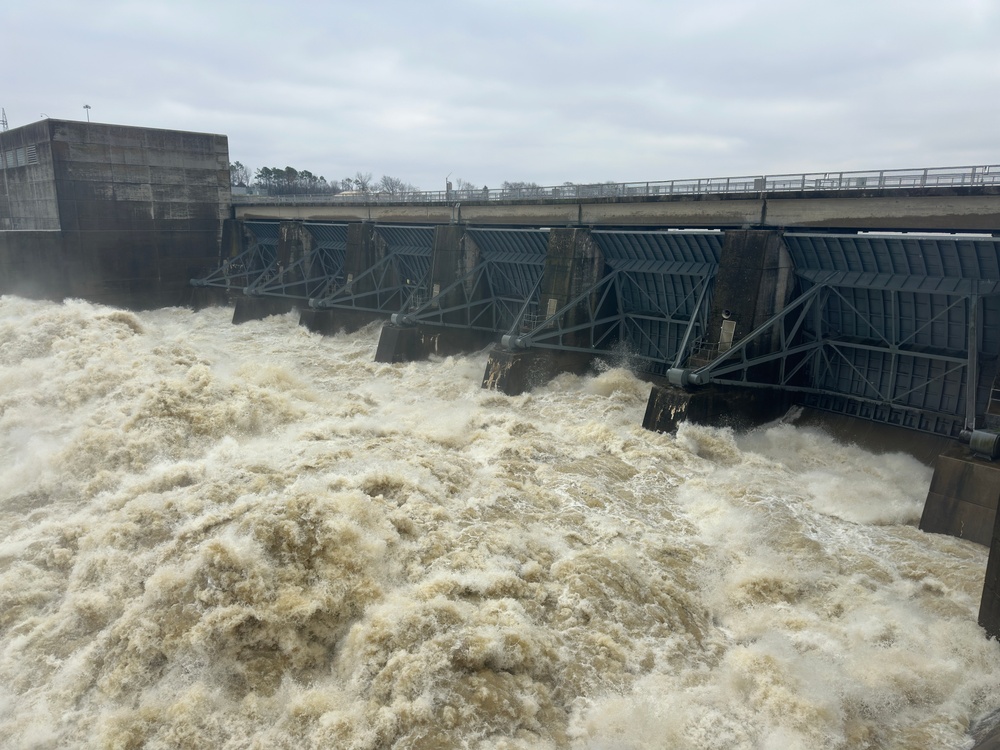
[(221, 535)]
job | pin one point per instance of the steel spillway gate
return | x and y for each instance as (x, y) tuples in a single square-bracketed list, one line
[(258, 270), (394, 272), (498, 291), (392, 269), (651, 303), (663, 285), (315, 272), (252, 267), (895, 329)]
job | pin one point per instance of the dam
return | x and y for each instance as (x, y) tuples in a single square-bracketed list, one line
[(873, 302), (871, 298)]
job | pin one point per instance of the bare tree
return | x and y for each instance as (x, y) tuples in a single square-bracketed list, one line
[(239, 175), (391, 185), (521, 189), (363, 181)]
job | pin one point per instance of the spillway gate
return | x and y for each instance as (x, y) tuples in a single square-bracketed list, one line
[(893, 329), (901, 329)]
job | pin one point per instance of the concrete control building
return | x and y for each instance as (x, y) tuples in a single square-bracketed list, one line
[(113, 214)]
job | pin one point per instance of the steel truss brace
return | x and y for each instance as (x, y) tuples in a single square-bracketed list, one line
[(736, 358), (252, 265), (383, 293), (480, 314), (795, 354), (604, 330), (308, 277)]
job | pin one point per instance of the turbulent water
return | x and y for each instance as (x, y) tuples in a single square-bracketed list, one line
[(217, 536)]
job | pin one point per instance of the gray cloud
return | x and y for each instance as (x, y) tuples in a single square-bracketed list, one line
[(548, 91)]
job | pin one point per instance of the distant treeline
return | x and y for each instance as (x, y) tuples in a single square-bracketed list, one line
[(291, 181)]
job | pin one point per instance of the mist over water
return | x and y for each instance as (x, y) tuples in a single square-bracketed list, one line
[(253, 536)]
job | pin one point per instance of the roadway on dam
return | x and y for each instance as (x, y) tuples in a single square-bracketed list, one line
[(951, 199)]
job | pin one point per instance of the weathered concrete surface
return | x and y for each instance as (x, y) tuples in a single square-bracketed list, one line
[(207, 296), (133, 213), (715, 405), (453, 258), (397, 344), (573, 264), (962, 500), (332, 322), (940, 209), (550, 214), (141, 270), (515, 372), (294, 242), (234, 239), (411, 343), (987, 737), (28, 199), (365, 248), (258, 308), (352, 212), (711, 211), (989, 605), (957, 213), (753, 282)]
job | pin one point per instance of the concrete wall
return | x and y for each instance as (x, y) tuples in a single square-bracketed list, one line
[(28, 189), (139, 270), (135, 212), (962, 499), (115, 177), (961, 213)]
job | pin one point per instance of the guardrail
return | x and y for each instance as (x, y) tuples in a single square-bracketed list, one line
[(975, 176)]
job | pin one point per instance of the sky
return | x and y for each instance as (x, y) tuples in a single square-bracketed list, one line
[(544, 91)]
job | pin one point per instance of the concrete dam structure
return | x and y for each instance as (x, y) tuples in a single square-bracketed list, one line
[(884, 330), (109, 213), (872, 298)]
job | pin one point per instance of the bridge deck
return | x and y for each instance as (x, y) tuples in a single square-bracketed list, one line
[(956, 199)]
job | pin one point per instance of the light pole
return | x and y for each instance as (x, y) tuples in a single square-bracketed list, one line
[(87, 107)]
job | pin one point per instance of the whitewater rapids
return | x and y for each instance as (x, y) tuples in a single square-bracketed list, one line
[(217, 536)]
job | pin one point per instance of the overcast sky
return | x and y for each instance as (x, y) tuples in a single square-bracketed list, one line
[(545, 91)]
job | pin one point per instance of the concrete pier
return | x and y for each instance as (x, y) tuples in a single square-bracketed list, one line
[(573, 265), (989, 606), (962, 500), (753, 282), (454, 256), (715, 405), (294, 242), (453, 292), (365, 250), (258, 308), (518, 371), (409, 343)]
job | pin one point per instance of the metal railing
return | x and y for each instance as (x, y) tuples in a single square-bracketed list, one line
[(931, 177)]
